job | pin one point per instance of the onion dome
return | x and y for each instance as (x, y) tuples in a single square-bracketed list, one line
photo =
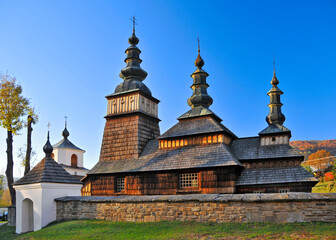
[(133, 74), (200, 95), (65, 133), (275, 116), (48, 148)]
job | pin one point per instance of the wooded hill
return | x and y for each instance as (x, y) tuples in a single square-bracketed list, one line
[(311, 146)]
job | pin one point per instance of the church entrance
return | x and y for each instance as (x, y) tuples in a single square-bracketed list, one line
[(27, 215)]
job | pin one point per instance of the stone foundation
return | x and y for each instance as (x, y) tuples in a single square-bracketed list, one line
[(291, 207)]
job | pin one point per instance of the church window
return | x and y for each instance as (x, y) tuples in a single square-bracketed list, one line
[(273, 139), (73, 160), (120, 184), (188, 180), (215, 138), (284, 190), (209, 139), (52, 155)]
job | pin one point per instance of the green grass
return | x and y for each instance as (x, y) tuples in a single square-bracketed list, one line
[(95, 229), (325, 187)]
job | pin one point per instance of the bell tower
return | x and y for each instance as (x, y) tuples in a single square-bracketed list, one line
[(132, 111), (276, 133)]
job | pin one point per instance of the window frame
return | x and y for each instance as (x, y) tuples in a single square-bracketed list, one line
[(185, 180), (117, 184)]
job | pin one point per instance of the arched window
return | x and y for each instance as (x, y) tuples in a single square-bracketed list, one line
[(52, 155), (73, 160)]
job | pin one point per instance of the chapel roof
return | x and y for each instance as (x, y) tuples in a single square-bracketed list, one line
[(154, 159), (250, 148), (47, 171), (195, 126), (256, 176)]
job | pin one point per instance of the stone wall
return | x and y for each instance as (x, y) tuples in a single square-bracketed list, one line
[(291, 207)]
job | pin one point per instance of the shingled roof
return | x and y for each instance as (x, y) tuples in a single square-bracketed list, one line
[(187, 157), (254, 176), (194, 126), (47, 171), (250, 148)]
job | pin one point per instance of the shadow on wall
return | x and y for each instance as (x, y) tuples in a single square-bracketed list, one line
[(27, 215)]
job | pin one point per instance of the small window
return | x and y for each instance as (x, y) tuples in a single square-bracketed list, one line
[(189, 180), (273, 139), (120, 184), (284, 190), (257, 191), (73, 160)]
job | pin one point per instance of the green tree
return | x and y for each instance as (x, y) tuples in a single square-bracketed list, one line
[(13, 106)]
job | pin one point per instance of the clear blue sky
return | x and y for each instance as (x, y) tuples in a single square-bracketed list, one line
[(67, 55)]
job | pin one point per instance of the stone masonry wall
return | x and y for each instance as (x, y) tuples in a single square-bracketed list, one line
[(291, 207)]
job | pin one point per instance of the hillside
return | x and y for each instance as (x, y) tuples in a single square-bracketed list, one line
[(311, 146)]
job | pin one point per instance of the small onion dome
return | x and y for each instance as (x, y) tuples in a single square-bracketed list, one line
[(133, 40), (47, 147), (274, 81), (65, 133), (199, 63)]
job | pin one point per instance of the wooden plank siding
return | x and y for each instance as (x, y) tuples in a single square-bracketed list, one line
[(220, 180)]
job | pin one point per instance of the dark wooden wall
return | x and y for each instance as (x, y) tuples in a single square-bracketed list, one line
[(220, 180)]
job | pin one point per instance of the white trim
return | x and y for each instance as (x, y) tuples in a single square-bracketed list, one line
[(49, 185)]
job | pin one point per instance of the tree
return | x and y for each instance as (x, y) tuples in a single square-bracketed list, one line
[(32, 119), (319, 160), (2, 178), (13, 106)]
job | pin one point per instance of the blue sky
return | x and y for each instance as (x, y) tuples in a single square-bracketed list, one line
[(67, 55)]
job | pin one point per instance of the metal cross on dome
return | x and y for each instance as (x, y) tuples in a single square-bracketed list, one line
[(198, 41), (48, 125), (134, 22), (65, 118)]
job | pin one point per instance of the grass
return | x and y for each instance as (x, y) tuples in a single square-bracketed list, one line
[(95, 229), (325, 187)]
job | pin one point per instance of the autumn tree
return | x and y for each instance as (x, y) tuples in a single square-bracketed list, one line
[(13, 107), (319, 160)]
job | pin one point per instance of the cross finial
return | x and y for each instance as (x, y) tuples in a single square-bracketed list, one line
[(66, 118), (48, 125), (134, 22), (198, 41), (273, 67)]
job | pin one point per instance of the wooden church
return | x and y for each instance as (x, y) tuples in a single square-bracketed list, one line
[(198, 154)]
